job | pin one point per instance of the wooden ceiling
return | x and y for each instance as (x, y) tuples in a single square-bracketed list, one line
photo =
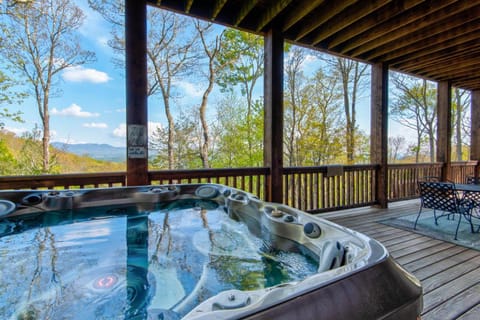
[(437, 39)]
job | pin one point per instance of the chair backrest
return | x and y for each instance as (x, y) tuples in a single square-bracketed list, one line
[(472, 180), (473, 197), (438, 195)]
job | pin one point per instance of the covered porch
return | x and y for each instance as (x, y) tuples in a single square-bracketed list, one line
[(437, 41)]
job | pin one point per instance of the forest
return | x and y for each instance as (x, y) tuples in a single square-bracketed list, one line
[(323, 95)]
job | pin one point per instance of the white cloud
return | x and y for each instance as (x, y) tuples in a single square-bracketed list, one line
[(120, 131), (16, 131), (122, 110), (81, 74), (311, 58), (102, 41), (192, 90), (74, 111), (100, 125), (152, 127)]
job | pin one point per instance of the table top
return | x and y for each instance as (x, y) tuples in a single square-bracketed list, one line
[(467, 187)]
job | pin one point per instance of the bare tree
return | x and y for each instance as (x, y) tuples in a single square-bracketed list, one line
[(214, 66), (396, 144), (414, 106), (170, 57), (40, 42), (461, 121), (293, 100), (170, 54), (351, 74)]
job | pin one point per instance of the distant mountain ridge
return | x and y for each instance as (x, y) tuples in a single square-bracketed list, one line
[(97, 151)]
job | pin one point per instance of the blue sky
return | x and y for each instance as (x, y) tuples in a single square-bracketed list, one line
[(91, 108)]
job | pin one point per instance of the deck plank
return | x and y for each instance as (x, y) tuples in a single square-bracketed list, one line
[(454, 307), (421, 259), (471, 314), (449, 273)]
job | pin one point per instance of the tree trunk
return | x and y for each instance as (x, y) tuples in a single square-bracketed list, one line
[(458, 125), (171, 135), (205, 145)]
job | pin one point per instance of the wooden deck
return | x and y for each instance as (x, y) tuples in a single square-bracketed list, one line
[(450, 274)]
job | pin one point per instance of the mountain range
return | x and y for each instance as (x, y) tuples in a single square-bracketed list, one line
[(102, 151)]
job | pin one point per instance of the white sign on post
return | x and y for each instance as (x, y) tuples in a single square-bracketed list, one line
[(136, 141)]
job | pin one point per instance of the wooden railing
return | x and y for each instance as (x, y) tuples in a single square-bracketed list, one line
[(461, 170), (312, 189), (326, 188), (252, 180), (64, 181), (403, 178)]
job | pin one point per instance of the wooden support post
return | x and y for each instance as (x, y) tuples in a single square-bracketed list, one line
[(136, 83), (273, 123), (379, 131), (475, 129), (444, 127)]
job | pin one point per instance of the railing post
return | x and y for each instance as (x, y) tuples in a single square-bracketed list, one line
[(273, 118), (136, 83), (379, 131), (444, 128)]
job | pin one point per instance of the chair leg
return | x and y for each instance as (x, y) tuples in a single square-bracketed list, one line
[(458, 225), (418, 216)]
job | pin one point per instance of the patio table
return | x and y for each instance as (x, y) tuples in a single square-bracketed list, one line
[(467, 187)]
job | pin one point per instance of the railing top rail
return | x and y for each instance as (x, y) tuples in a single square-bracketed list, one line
[(61, 180), (463, 163), (324, 169), (416, 165), (186, 173), (60, 177)]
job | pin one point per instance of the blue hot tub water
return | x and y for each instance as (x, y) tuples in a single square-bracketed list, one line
[(119, 262)]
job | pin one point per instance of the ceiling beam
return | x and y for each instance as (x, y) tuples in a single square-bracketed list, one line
[(348, 17), (391, 10), (328, 11), (445, 40), (304, 8), (370, 38), (467, 42), (440, 60), (188, 5), (271, 12), (217, 7), (460, 24), (463, 75), (244, 11), (456, 71), (425, 22), (472, 85)]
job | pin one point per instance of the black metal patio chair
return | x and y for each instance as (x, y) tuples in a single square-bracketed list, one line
[(472, 180), (472, 198), (442, 196)]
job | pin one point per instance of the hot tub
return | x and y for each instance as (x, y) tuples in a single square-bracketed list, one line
[(200, 251)]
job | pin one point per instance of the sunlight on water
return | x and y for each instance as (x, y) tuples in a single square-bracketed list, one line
[(121, 263)]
